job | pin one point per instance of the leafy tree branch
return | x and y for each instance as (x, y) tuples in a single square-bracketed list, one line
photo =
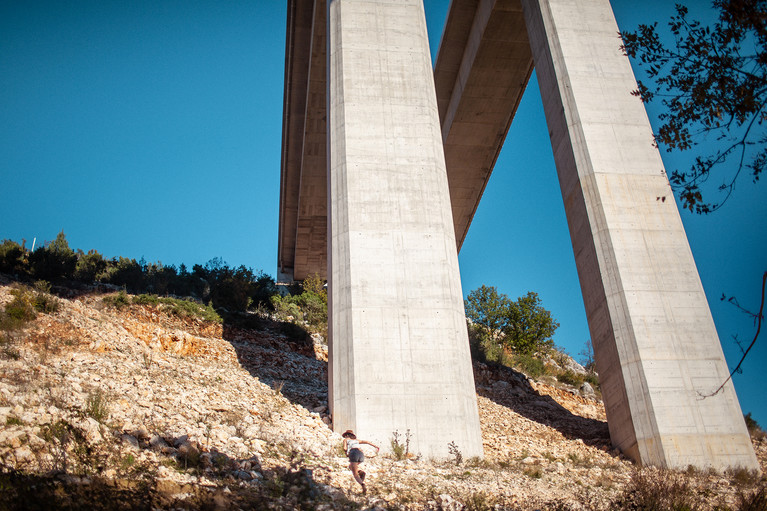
[(713, 85)]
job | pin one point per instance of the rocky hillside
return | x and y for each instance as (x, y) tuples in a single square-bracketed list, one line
[(137, 408)]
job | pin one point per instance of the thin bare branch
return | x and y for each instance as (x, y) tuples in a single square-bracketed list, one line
[(759, 318)]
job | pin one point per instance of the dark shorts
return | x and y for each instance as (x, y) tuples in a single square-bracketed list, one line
[(356, 456)]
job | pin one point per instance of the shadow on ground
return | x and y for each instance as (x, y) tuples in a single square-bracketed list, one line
[(281, 355), (284, 487), (512, 389)]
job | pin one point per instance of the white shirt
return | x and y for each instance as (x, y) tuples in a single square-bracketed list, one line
[(351, 444)]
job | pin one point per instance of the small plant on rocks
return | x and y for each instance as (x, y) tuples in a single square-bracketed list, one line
[(147, 359), (97, 405), (742, 476), (479, 501), (13, 421), (43, 300), (19, 311), (756, 501), (659, 489), (534, 472), (398, 449), (118, 301), (452, 448)]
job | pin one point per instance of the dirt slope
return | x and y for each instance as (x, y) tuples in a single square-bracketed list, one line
[(138, 409)]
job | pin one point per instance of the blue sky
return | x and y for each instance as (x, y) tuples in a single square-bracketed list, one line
[(153, 129)]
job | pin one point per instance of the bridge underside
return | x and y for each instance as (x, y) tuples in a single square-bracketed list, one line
[(482, 69), (302, 246), (655, 343)]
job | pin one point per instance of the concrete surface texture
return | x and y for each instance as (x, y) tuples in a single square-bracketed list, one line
[(399, 353), (656, 347), (482, 69)]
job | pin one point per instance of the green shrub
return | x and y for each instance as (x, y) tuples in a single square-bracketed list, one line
[(97, 405), (234, 289), (146, 300), (26, 304), (117, 300), (159, 279), (12, 258), (285, 309), (190, 308), (529, 364), (522, 326), (124, 272), (44, 301), (55, 261), (230, 288), (89, 266), (485, 348), (314, 310), (18, 311), (309, 308), (181, 308), (593, 380), (570, 378), (175, 306), (263, 290)]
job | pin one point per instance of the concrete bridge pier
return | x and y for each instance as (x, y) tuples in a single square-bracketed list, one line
[(656, 347), (399, 354)]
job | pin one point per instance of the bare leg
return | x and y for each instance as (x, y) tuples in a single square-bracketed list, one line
[(355, 472)]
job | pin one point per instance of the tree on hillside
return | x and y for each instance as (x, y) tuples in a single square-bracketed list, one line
[(713, 85), (530, 326), (523, 326), (12, 257), (55, 261), (489, 310), (89, 266)]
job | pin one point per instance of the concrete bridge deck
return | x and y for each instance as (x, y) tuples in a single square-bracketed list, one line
[(481, 71)]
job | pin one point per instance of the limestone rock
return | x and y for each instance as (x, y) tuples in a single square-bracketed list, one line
[(207, 410), (587, 390)]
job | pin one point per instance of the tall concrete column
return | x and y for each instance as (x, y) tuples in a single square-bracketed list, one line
[(656, 347), (399, 353)]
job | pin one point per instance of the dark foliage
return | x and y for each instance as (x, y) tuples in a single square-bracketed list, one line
[(12, 257), (230, 289), (89, 266), (53, 262), (22, 491), (713, 85), (523, 326)]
